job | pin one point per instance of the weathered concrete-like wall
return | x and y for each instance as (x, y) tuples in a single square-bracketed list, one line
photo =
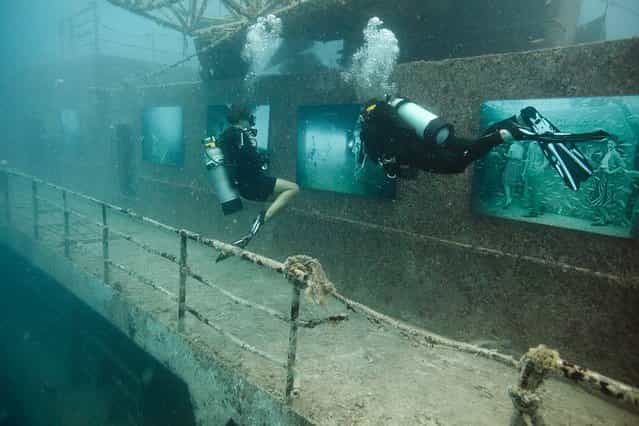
[(416, 257)]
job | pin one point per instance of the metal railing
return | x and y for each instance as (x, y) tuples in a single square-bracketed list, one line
[(299, 279)]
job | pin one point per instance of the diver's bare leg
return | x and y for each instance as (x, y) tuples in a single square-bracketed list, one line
[(508, 195), (284, 190)]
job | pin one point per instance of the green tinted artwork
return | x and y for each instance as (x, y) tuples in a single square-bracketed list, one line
[(163, 135), (70, 124), (517, 181), (327, 151)]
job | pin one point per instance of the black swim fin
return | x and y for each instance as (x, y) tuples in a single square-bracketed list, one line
[(558, 147), (597, 135), (243, 242), (568, 161), (565, 157)]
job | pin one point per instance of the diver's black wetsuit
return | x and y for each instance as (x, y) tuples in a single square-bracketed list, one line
[(386, 138), (245, 165)]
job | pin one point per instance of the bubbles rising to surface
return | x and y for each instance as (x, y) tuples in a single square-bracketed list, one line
[(263, 39), (373, 63)]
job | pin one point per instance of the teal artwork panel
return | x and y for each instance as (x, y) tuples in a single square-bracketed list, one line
[(327, 149), (516, 181), (163, 135)]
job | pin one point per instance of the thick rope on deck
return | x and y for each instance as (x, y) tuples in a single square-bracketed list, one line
[(307, 271), (536, 364), (540, 362)]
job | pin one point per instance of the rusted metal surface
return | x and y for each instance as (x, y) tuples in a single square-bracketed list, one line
[(4, 185), (201, 317), (292, 344), (35, 207), (183, 275), (598, 382), (536, 365), (65, 206), (542, 361), (299, 279), (332, 319), (240, 301), (424, 336), (105, 245)]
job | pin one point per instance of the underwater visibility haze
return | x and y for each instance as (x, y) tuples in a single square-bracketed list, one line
[(331, 212)]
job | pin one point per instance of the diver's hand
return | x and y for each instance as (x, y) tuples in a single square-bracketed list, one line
[(509, 130), (506, 136)]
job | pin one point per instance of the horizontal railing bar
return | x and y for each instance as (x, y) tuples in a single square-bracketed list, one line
[(624, 392), (52, 225), (46, 211), (86, 219), (236, 299), (197, 314), (314, 322), (279, 267), (234, 339), (86, 240), (172, 258), (218, 245), (46, 200), (127, 237), (142, 279), (50, 232), (427, 336)]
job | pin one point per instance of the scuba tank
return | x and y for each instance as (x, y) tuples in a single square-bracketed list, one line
[(428, 127), (218, 174)]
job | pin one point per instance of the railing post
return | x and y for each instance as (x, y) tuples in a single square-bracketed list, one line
[(292, 343), (34, 198), (535, 366), (67, 250), (183, 274), (7, 205), (105, 243)]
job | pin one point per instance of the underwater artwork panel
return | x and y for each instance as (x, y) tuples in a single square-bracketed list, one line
[(70, 125), (517, 182), (327, 150), (216, 122), (163, 135)]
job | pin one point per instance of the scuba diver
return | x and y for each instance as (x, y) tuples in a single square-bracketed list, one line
[(235, 166), (403, 138)]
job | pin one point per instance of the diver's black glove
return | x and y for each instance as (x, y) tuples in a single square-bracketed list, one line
[(518, 131)]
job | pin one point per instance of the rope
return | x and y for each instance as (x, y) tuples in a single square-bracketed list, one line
[(306, 271), (542, 361)]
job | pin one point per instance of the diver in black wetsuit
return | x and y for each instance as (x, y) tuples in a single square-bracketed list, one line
[(246, 166), (403, 138)]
